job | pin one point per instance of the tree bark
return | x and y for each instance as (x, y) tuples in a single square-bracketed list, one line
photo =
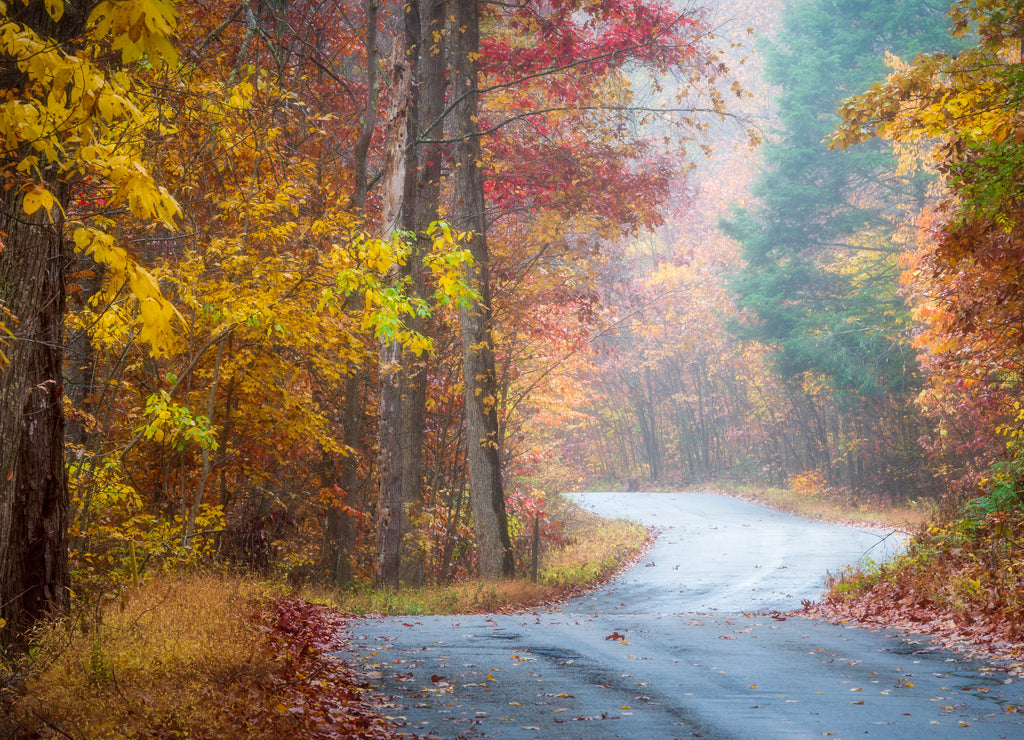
[(422, 202), (34, 504), (404, 384), (386, 571), (484, 442), (361, 149), (33, 485), (340, 529)]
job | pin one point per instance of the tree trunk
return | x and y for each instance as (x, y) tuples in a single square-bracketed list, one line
[(362, 146), (416, 178), (34, 505), (422, 202), (339, 529), (484, 443), (33, 486), (386, 571)]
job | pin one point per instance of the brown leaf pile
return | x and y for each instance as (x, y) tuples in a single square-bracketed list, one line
[(313, 694), (959, 583)]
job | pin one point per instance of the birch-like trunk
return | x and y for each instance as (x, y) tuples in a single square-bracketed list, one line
[(484, 441), (386, 571)]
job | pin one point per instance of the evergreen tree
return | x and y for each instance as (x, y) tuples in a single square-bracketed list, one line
[(820, 247)]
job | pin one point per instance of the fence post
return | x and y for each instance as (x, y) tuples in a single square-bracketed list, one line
[(535, 552)]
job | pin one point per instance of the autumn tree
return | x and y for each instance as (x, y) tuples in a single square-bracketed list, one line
[(577, 153), (483, 441), (822, 245), (960, 113), (424, 51), (551, 136), (67, 97), (600, 170), (255, 429)]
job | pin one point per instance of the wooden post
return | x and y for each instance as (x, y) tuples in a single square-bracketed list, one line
[(535, 551)]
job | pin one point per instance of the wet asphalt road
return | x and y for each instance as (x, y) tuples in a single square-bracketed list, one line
[(688, 643)]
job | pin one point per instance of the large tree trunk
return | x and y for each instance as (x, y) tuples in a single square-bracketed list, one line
[(484, 442), (416, 179), (422, 201), (33, 486), (412, 369), (386, 571)]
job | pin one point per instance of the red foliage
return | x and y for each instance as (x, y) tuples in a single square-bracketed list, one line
[(595, 37), (313, 694), (560, 127)]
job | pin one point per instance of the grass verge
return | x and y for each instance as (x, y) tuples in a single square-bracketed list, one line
[(834, 508), (198, 656), (584, 551)]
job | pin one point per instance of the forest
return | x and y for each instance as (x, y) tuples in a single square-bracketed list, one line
[(348, 292)]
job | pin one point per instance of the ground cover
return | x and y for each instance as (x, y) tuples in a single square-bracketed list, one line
[(230, 655), (961, 582)]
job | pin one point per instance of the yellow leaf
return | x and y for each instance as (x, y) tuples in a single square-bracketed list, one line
[(28, 164), (55, 9), (37, 197)]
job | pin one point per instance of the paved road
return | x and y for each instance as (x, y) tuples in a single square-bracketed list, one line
[(688, 644)]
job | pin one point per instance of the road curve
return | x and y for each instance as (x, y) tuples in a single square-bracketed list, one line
[(687, 644), (722, 554)]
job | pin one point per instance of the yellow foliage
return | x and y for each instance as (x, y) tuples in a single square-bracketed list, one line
[(68, 115), (116, 540), (137, 28)]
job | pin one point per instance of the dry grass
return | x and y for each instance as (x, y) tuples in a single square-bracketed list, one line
[(458, 598), (592, 549), (157, 662), (827, 507), (150, 664), (217, 657)]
